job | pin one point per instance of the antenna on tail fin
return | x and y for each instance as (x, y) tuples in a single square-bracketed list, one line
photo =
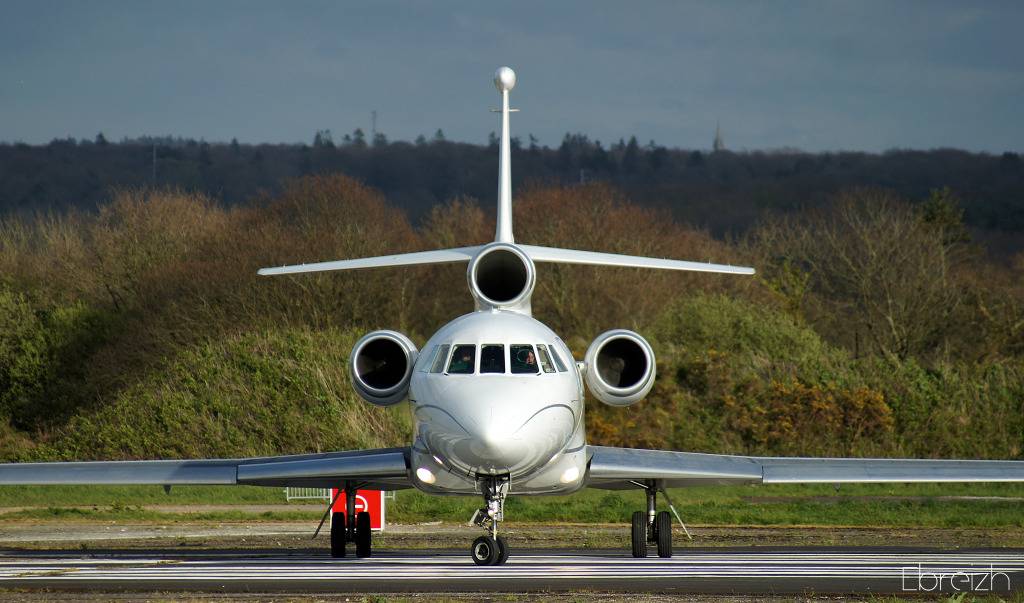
[(504, 81)]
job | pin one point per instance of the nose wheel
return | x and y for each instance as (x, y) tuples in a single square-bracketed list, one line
[(491, 549)]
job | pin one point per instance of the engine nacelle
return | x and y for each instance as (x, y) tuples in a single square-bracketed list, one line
[(502, 276), (620, 367), (381, 367)]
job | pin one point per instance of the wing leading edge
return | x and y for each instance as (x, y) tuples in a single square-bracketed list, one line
[(619, 468), (382, 469)]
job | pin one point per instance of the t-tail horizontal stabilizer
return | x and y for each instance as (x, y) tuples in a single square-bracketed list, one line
[(552, 255), (440, 256), (556, 255)]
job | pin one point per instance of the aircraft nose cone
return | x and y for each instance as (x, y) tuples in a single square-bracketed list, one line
[(502, 442), (494, 446), (489, 429)]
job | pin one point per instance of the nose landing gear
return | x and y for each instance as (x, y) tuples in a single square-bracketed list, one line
[(491, 549)]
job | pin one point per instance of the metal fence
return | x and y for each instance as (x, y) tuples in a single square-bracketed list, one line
[(291, 494)]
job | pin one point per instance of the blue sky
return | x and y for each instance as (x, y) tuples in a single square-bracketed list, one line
[(814, 75)]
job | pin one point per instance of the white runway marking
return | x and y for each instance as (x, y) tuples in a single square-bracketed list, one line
[(383, 568)]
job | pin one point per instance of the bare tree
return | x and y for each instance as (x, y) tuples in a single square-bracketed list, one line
[(878, 270)]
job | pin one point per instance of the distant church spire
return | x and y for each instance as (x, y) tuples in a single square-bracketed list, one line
[(719, 144)]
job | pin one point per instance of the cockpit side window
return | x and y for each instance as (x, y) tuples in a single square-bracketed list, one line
[(523, 359), (440, 357), (545, 360), (558, 360), (427, 359), (463, 360), (492, 358)]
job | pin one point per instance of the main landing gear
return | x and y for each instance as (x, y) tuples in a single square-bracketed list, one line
[(350, 526), (653, 527), (491, 549)]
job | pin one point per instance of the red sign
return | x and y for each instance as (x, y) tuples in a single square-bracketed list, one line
[(371, 501)]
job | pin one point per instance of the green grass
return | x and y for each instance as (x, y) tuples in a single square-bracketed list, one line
[(898, 505), (35, 496), (141, 514), (859, 505)]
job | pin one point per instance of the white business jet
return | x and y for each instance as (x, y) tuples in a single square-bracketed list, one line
[(497, 403)]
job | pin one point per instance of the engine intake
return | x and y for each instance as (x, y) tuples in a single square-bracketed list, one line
[(620, 367), (502, 276), (381, 367)]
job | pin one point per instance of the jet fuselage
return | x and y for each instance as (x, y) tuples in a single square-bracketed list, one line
[(497, 393)]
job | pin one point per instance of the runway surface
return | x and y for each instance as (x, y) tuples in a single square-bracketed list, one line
[(706, 571)]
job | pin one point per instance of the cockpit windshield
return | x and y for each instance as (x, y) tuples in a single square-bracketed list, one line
[(492, 358), (523, 358), (463, 360)]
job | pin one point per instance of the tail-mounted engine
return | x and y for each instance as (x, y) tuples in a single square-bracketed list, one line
[(381, 367), (502, 276), (620, 367)]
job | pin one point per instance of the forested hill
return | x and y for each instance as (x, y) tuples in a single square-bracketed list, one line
[(722, 191)]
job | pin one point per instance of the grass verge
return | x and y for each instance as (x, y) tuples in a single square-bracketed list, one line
[(898, 505)]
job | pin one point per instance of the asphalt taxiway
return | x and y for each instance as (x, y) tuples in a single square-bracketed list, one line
[(748, 570)]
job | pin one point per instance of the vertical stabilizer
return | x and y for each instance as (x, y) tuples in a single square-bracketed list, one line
[(504, 80)]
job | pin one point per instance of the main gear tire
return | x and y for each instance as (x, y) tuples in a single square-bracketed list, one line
[(639, 534), (363, 534), (663, 533), (339, 535)]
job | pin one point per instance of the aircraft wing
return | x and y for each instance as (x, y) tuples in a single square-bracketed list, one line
[(380, 469), (619, 468)]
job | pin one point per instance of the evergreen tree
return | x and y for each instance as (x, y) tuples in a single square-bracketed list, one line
[(323, 139), (631, 156), (358, 138)]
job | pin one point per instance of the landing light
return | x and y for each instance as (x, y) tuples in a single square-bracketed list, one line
[(570, 475), (425, 475)]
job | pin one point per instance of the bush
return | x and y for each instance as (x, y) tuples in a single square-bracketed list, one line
[(262, 393), (742, 378), (23, 355)]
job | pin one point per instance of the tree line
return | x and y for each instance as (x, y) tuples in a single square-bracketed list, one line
[(725, 192)]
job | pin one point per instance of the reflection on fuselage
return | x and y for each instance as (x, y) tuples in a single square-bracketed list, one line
[(489, 398)]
